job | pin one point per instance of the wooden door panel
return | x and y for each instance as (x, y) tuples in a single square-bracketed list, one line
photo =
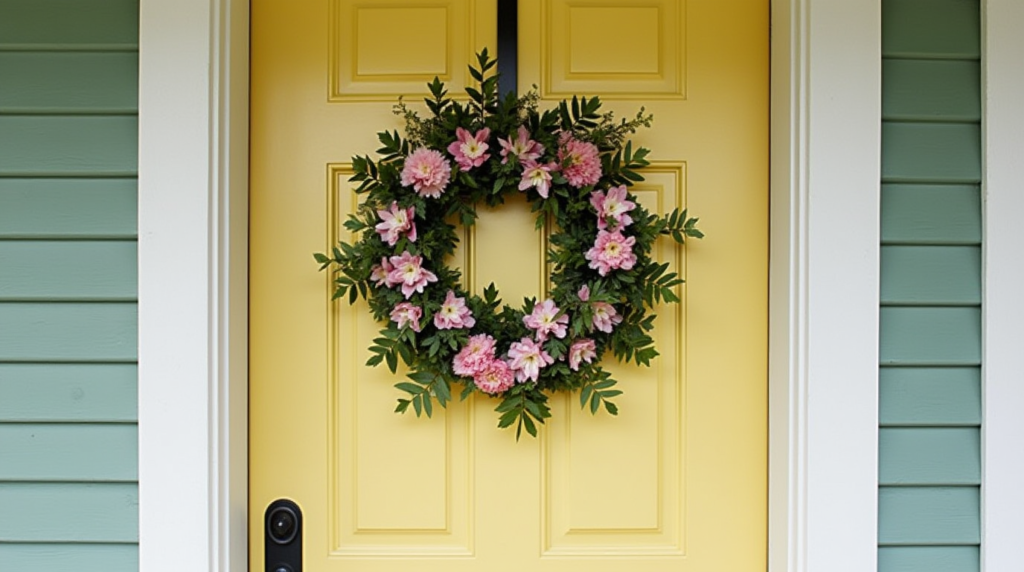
[(677, 480)]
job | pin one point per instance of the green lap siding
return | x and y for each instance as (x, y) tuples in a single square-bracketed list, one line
[(930, 320), (68, 285)]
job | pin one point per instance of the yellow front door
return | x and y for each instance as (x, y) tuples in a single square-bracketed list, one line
[(677, 481)]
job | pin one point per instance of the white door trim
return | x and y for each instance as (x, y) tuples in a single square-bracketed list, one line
[(824, 277), (823, 372)]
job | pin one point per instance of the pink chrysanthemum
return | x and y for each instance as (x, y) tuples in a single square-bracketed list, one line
[(584, 293), (583, 350), (605, 318), (545, 320), (396, 221), (409, 272), (380, 273), (406, 313), (537, 175), (612, 207), (427, 171), (478, 352), (581, 163), (527, 359), (470, 150), (611, 251), (453, 314), (494, 377), (522, 147)]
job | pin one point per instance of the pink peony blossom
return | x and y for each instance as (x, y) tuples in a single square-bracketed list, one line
[(380, 273), (427, 171), (408, 272), (494, 377), (537, 175), (584, 293), (605, 317), (406, 313), (528, 357), (470, 150), (581, 163), (472, 358), (545, 320), (613, 206), (396, 221), (611, 251), (453, 314), (522, 148), (581, 350)]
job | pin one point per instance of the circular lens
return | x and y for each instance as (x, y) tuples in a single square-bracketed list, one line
[(283, 568), (282, 524)]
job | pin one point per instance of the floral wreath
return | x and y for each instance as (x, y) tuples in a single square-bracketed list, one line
[(575, 167)]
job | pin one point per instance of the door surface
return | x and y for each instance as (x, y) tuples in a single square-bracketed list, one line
[(678, 480)]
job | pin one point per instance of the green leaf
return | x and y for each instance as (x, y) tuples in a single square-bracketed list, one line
[(410, 388)]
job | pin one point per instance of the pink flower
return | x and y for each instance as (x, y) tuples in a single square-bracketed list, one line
[(396, 221), (581, 350), (470, 150), (614, 206), (523, 148), (605, 317), (584, 293), (427, 171), (545, 320), (580, 161), (406, 313), (453, 314), (477, 354), (408, 272), (494, 377), (379, 273), (528, 357), (611, 251), (537, 175)]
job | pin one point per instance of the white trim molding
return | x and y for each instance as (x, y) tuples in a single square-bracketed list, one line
[(193, 225), (1002, 303), (823, 394), (824, 278)]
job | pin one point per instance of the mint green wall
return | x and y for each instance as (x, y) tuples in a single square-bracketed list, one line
[(930, 346), (68, 432)]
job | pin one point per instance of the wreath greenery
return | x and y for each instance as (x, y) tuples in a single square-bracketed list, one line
[(574, 165)]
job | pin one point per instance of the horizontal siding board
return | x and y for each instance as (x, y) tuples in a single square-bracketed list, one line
[(66, 82), (931, 90), (68, 452), (69, 332), (931, 152), (916, 396), (37, 145), (65, 557), (928, 515), (931, 28), (929, 456), (49, 392), (930, 336), (68, 208), (931, 214), (58, 270), (929, 559), (69, 512), (931, 275), (69, 22)]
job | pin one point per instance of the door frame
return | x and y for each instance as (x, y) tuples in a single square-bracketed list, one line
[(193, 143)]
